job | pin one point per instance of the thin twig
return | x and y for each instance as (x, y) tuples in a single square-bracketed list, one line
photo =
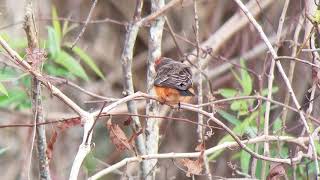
[(266, 147), (173, 35), (85, 24), (290, 58), (77, 87), (200, 129), (292, 67), (159, 12)]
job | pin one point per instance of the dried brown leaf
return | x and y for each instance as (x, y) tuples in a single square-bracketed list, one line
[(200, 147), (193, 167), (50, 145), (118, 137), (128, 121), (276, 171), (70, 123)]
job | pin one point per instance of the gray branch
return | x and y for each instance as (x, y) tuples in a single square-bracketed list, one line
[(155, 41), (31, 32), (126, 60)]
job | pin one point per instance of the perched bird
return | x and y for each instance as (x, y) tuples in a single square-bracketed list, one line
[(173, 82)]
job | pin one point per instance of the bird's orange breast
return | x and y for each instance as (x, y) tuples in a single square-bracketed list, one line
[(170, 95)]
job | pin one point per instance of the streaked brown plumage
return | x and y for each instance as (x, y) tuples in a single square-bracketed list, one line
[(173, 82)]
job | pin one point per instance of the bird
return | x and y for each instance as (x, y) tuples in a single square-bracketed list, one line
[(173, 81)]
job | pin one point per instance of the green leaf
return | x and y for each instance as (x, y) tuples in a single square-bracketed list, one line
[(246, 81), (252, 131), (317, 146), (277, 125), (8, 74), (230, 118), (17, 43), (55, 22), (238, 130), (56, 70), (87, 59), (3, 89), (245, 159), (66, 29), (236, 76), (265, 91), (3, 150), (71, 64), (53, 43), (90, 163), (228, 93), (239, 105), (15, 96)]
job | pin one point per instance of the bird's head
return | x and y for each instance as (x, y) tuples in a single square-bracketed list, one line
[(162, 61)]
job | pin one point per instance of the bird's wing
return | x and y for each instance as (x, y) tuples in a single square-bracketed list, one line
[(176, 76)]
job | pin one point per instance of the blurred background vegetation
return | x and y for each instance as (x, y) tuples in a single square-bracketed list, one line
[(94, 64)]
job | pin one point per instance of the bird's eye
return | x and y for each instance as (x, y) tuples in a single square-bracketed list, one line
[(181, 73)]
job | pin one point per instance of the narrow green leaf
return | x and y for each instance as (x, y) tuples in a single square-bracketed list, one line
[(3, 89), (56, 70), (230, 118), (245, 159), (228, 93), (246, 81), (240, 105), (238, 130), (14, 96), (53, 43), (55, 22), (71, 64), (277, 125), (274, 90), (236, 76), (87, 59), (15, 43), (67, 29), (3, 150), (252, 131), (8, 74), (90, 163)]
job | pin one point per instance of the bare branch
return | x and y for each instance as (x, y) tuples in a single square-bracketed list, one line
[(36, 57), (126, 60), (270, 86), (225, 145), (154, 53)]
